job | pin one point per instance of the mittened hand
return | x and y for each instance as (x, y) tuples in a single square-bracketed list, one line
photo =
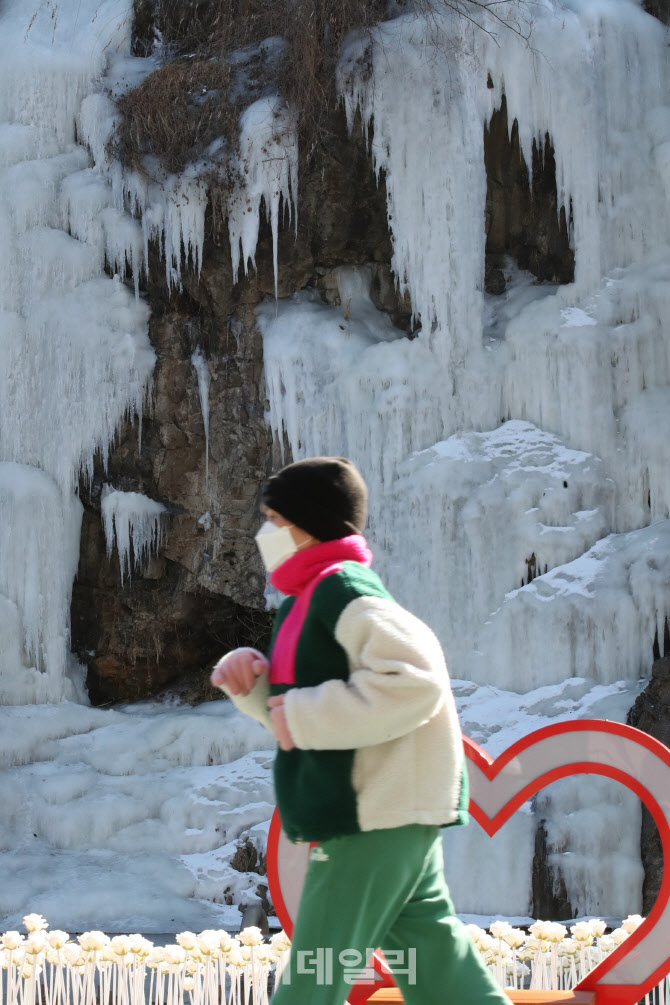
[(279, 724), (239, 670)]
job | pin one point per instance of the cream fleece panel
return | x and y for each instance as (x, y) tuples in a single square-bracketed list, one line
[(414, 779), (398, 681), (255, 703)]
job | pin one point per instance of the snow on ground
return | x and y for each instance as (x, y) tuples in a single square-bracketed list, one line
[(127, 819)]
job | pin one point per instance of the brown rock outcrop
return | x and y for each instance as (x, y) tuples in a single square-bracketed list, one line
[(204, 593), (523, 221)]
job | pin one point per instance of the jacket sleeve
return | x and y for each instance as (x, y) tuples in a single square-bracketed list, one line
[(397, 681), (255, 703)]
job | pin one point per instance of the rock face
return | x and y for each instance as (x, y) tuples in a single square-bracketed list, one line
[(659, 8), (205, 592), (521, 221), (651, 713)]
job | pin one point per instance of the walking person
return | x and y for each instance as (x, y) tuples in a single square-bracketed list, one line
[(370, 761)]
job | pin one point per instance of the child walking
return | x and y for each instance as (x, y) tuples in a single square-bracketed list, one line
[(370, 761)]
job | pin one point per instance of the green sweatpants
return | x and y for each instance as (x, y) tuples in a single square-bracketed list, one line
[(383, 889)]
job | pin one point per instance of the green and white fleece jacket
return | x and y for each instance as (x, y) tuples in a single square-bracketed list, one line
[(377, 739)]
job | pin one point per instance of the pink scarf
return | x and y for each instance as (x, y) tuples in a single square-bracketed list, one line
[(298, 577)]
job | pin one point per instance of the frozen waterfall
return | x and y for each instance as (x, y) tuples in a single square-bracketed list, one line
[(74, 354), (519, 483), (517, 453)]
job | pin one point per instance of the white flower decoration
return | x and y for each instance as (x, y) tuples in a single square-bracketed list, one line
[(474, 931), (57, 938), (12, 940), (188, 940), (93, 942), (174, 955), (35, 922), (632, 922), (582, 933), (514, 938), (499, 929), (36, 942), (121, 945), (251, 936)]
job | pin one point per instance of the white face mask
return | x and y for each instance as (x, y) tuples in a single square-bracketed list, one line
[(275, 544)]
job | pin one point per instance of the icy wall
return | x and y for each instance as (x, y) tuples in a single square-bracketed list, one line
[(74, 354), (114, 819), (516, 450)]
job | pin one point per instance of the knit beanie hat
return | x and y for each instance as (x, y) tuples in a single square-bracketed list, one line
[(325, 496)]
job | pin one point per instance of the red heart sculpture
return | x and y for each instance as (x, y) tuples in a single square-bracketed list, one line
[(497, 788)]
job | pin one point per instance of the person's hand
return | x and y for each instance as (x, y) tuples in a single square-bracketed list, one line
[(239, 670), (279, 724)]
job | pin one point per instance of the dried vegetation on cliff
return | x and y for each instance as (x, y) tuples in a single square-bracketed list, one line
[(221, 55)]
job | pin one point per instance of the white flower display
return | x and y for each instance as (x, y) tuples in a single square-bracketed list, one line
[(540, 929), (36, 942), (74, 955), (174, 955), (582, 933), (236, 959), (514, 937), (632, 922), (57, 938), (208, 942), (93, 942), (188, 940), (251, 936), (499, 929), (35, 922), (12, 940), (476, 933), (140, 946), (195, 968), (226, 942), (120, 944)]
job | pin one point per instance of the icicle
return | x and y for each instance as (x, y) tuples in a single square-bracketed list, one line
[(199, 363), (132, 521)]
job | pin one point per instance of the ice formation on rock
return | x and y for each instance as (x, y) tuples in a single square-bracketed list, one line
[(600, 615), (199, 364), (132, 521), (39, 553), (74, 354), (172, 207), (120, 819), (466, 506), (510, 503)]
